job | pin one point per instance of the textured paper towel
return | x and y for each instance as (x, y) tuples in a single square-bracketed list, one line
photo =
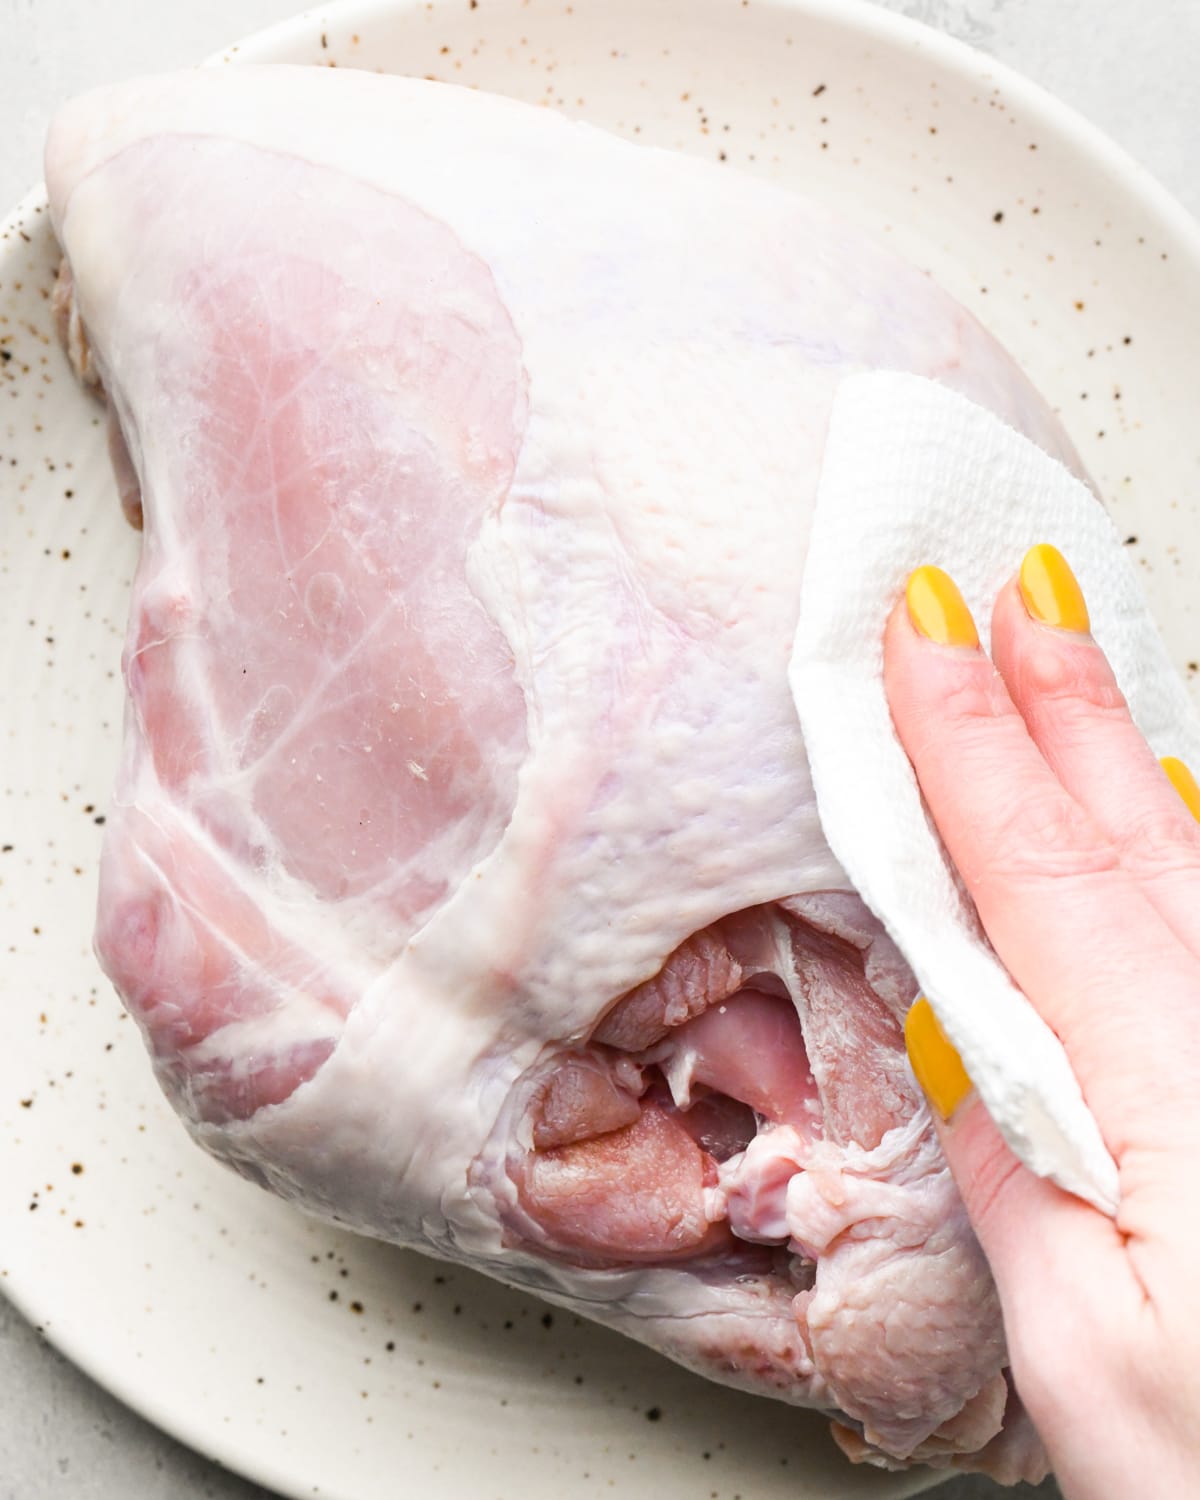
[(914, 474)]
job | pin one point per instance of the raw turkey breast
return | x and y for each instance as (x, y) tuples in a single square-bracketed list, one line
[(464, 873)]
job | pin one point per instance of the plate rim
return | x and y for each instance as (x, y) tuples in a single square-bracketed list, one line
[(873, 21)]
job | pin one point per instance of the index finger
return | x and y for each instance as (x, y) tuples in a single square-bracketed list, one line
[(1067, 920)]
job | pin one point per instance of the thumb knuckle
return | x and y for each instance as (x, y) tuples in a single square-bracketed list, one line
[(988, 1183)]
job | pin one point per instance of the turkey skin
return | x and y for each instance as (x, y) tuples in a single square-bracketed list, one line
[(464, 873)]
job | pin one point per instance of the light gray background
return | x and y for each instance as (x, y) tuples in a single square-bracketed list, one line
[(1130, 67)]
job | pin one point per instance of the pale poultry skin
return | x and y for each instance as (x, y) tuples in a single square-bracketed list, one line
[(464, 871)]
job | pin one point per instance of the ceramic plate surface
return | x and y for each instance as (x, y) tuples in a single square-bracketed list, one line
[(325, 1365)]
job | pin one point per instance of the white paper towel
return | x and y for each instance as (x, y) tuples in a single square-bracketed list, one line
[(914, 474)]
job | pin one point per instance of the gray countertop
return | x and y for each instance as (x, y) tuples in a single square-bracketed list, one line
[(1129, 68)]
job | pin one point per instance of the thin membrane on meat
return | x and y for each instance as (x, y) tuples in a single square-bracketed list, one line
[(464, 872)]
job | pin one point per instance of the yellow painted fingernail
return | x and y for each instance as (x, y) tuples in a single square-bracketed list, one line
[(1184, 783), (937, 1065), (936, 608), (1051, 591)]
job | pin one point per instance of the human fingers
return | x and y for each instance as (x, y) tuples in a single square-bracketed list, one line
[(1016, 1216), (1067, 919), (1065, 691), (1004, 1200)]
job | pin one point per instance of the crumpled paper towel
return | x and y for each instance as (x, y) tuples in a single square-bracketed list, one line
[(913, 473)]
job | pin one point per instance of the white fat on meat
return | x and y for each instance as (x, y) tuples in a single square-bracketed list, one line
[(464, 872)]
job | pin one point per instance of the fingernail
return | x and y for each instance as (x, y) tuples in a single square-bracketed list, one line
[(1051, 591), (936, 608), (1184, 783), (937, 1065)]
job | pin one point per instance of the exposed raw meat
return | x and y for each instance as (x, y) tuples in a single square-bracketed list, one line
[(464, 872)]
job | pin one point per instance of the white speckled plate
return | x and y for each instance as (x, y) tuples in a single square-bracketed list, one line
[(324, 1365)]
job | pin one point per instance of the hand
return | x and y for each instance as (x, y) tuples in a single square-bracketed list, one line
[(1083, 860)]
